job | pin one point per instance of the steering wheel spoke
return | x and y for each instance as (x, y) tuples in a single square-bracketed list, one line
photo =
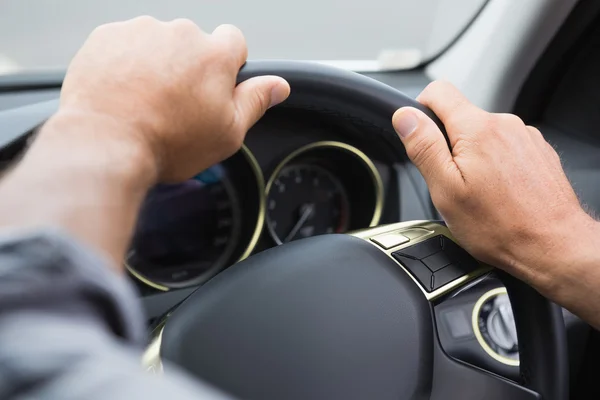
[(453, 379), (427, 252)]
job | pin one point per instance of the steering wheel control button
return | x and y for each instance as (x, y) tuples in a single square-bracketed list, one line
[(390, 240), (417, 269), (458, 255), (457, 323), (452, 272), (437, 261), (415, 233), (424, 249), (445, 276)]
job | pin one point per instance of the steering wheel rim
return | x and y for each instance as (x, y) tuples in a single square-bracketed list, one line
[(320, 88), (369, 103)]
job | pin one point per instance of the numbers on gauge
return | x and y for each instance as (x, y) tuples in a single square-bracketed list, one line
[(306, 200)]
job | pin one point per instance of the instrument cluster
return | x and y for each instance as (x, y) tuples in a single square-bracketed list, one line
[(188, 232)]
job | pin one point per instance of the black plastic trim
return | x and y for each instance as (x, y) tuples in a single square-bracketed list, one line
[(545, 77)]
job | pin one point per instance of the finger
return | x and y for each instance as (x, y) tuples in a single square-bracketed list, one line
[(255, 96), (229, 39), (186, 26), (455, 111), (426, 146)]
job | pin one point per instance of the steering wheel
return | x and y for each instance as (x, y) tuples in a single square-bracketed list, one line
[(351, 316)]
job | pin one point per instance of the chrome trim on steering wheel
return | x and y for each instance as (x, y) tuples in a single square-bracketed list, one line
[(415, 231)]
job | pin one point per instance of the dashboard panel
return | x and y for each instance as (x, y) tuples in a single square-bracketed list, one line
[(297, 176), (27, 99), (187, 232)]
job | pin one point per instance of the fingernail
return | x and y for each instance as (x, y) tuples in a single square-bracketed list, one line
[(405, 122), (279, 93)]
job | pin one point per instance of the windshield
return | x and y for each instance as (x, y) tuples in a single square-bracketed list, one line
[(373, 34)]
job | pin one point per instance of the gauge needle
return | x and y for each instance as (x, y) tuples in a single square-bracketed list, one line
[(307, 210)]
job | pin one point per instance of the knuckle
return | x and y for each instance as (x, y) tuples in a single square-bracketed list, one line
[(438, 86), (232, 29), (98, 30), (496, 125), (438, 91), (535, 131), (231, 39), (504, 121), (470, 121), (552, 152), (184, 24), (430, 92), (102, 29), (144, 20)]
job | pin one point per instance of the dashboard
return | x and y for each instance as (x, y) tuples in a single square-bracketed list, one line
[(188, 232), (296, 176), (299, 174)]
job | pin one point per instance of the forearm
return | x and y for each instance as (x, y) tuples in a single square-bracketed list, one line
[(70, 328), (579, 275), (565, 266), (83, 175)]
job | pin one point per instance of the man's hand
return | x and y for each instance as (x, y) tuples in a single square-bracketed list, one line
[(143, 101), (171, 87), (503, 193)]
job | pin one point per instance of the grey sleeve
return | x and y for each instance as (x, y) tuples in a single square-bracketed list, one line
[(71, 328)]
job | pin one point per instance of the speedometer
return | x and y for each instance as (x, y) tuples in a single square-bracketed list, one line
[(306, 200), (320, 188), (187, 231)]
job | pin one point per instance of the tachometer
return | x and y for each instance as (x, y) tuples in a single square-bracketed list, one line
[(306, 200), (187, 231)]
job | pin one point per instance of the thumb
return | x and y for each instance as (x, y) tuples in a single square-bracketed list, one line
[(255, 96), (425, 145)]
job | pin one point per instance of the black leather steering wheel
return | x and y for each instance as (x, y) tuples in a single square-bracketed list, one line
[(339, 316)]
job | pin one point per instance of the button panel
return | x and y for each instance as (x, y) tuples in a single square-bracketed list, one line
[(436, 262)]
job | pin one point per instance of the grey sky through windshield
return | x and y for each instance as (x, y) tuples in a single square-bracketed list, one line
[(46, 33)]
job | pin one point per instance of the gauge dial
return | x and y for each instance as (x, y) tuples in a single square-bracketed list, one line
[(186, 231), (306, 200)]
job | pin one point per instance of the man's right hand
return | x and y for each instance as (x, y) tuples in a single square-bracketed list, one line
[(170, 88), (504, 195)]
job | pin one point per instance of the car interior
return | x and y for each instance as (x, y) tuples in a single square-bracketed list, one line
[(313, 263)]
